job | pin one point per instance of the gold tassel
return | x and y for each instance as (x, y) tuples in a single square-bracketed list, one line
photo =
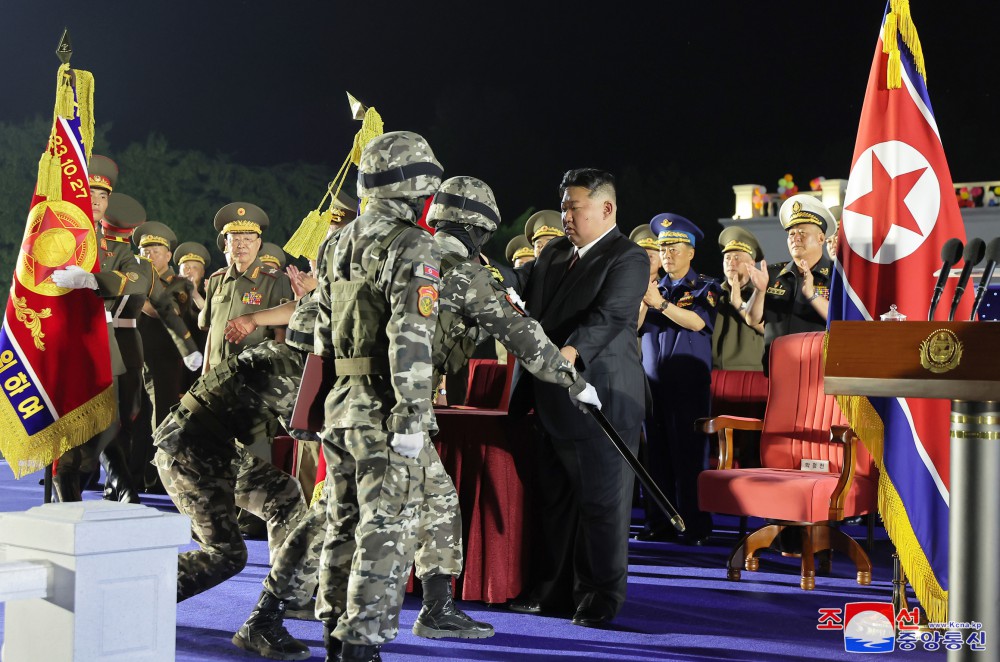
[(304, 240), (908, 33), (49, 176), (889, 33), (64, 93), (894, 71), (311, 232), (371, 128)]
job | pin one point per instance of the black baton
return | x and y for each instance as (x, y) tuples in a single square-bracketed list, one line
[(647, 481)]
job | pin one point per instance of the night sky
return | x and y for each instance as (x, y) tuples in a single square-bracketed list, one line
[(691, 97)]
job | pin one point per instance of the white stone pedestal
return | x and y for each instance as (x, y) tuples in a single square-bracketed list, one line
[(113, 593)]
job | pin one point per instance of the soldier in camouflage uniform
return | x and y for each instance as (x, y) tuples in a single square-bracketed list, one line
[(378, 308), (208, 475), (473, 307)]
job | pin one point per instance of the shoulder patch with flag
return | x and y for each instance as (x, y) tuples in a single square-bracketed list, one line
[(422, 270)]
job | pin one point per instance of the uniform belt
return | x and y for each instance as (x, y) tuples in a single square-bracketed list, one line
[(124, 323), (300, 338), (365, 365)]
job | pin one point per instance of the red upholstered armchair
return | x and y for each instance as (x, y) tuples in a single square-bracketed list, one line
[(800, 423)]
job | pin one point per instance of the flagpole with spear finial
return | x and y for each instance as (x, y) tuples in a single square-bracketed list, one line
[(310, 234)]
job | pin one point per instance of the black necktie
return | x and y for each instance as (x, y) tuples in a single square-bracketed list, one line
[(573, 260)]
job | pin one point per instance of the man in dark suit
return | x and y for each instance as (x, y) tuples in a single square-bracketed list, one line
[(585, 290)]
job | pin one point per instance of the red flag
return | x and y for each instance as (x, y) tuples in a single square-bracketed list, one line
[(55, 364), (899, 210)]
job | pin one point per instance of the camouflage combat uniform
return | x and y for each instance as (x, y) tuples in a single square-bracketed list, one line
[(378, 307), (473, 306), (207, 475)]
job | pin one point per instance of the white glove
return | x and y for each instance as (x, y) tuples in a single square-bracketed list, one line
[(194, 360), (588, 396), (74, 278), (408, 445)]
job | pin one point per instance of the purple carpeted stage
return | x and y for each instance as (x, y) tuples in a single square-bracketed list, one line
[(680, 607)]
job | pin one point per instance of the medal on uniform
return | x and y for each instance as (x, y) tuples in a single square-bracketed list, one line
[(427, 297), (252, 298), (685, 301)]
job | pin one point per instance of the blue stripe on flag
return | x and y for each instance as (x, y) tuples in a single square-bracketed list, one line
[(17, 385)]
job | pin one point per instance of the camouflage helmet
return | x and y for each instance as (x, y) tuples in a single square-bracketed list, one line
[(399, 164), (464, 200)]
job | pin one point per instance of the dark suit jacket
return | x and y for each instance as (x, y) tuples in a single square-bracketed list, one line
[(594, 308)]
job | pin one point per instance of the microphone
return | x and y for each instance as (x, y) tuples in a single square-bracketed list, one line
[(951, 253), (973, 255), (992, 256)]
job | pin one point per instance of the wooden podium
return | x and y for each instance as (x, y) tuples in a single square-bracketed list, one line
[(957, 361)]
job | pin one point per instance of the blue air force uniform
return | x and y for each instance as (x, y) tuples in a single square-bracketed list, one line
[(678, 364)]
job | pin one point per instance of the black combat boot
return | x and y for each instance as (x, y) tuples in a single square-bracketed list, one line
[(265, 634), (355, 653), (439, 617), (66, 485), (118, 485)]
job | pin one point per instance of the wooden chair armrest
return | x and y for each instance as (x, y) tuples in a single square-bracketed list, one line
[(716, 423), (844, 435), (724, 426)]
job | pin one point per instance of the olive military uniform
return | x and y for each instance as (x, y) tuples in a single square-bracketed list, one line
[(229, 294)]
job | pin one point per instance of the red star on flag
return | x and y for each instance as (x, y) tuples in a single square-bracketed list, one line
[(886, 202), (42, 267)]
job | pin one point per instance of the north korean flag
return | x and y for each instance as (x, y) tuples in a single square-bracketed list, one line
[(899, 209)]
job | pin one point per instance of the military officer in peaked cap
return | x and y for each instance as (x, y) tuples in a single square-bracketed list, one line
[(542, 227), (645, 238), (165, 363), (120, 275), (220, 243), (193, 260), (793, 297), (519, 251), (735, 344), (247, 285), (676, 338), (132, 444), (272, 255)]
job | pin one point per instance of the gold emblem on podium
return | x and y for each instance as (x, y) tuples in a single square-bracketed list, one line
[(941, 352)]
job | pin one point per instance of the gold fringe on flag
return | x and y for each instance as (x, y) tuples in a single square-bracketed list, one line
[(867, 424), (29, 454), (899, 25), (311, 232), (85, 108)]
